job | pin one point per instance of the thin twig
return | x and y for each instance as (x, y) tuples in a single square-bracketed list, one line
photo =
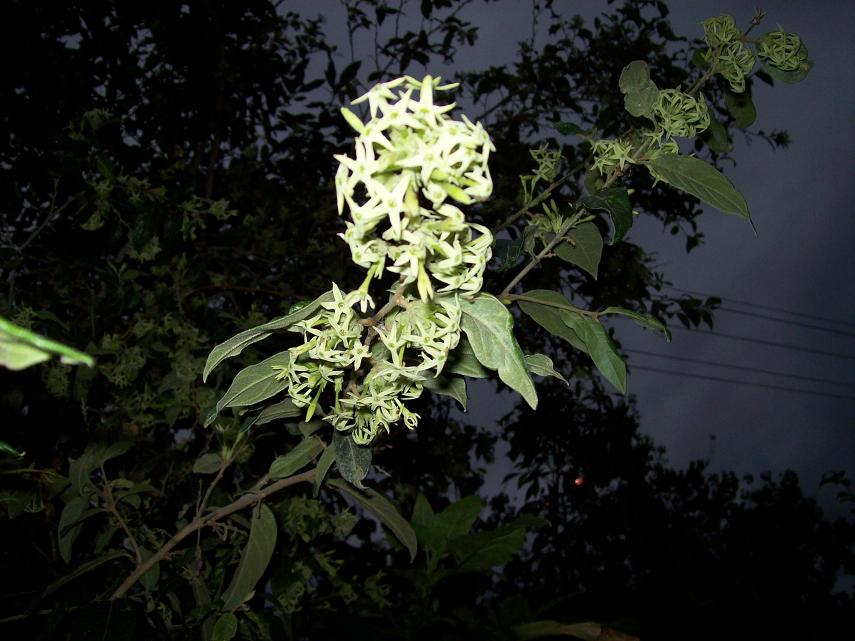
[(198, 523)]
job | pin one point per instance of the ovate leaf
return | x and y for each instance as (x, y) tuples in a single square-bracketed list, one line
[(225, 628), (715, 136), (254, 558), (482, 551), (741, 107), (384, 510), (583, 247), (544, 308), (464, 362), (436, 530), (600, 348), (257, 382), (541, 365), (702, 180), (615, 201), (644, 320), (299, 457), (489, 327), (282, 410), (207, 463), (453, 386), (236, 344), (353, 461), (640, 92)]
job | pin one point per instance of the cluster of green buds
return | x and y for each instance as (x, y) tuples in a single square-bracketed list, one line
[(732, 58), (735, 61), (782, 50), (412, 165), (679, 114)]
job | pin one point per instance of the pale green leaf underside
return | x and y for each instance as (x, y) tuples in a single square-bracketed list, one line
[(236, 344), (489, 327), (299, 457), (541, 365), (256, 383), (453, 386), (702, 180)]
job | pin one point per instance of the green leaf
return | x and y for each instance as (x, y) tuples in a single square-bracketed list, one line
[(384, 510), (435, 531), (93, 457), (71, 514), (741, 107), (353, 461), (583, 247), (20, 348), (5, 448), (566, 128), (600, 348), (207, 463), (489, 327), (254, 558), (299, 457), (702, 180), (225, 628), (324, 464), (615, 201), (236, 344), (544, 308), (640, 92), (541, 365), (453, 386), (644, 320), (283, 409), (257, 382), (587, 631), (789, 77), (715, 136), (485, 550), (464, 362)]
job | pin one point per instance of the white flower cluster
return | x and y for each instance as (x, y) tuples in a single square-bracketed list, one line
[(412, 162)]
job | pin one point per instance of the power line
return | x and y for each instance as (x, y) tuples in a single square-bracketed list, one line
[(746, 383), (740, 367), (760, 341), (780, 310), (786, 322)]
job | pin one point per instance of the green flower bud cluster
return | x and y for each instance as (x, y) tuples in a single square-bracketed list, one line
[(781, 50), (547, 168), (721, 31), (732, 58), (611, 155), (411, 163), (679, 114)]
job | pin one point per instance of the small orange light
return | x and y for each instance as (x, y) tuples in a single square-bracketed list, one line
[(578, 481)]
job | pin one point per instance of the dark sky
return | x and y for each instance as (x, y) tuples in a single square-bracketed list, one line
[(801, 261)]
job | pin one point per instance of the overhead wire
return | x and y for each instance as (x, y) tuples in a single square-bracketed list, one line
[(744, 383), (754, 305), (745, 368), (760, 341)]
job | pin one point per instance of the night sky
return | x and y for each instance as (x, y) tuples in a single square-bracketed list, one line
[(800, 268)]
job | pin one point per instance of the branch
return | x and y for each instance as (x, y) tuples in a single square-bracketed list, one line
[(198, 523)]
